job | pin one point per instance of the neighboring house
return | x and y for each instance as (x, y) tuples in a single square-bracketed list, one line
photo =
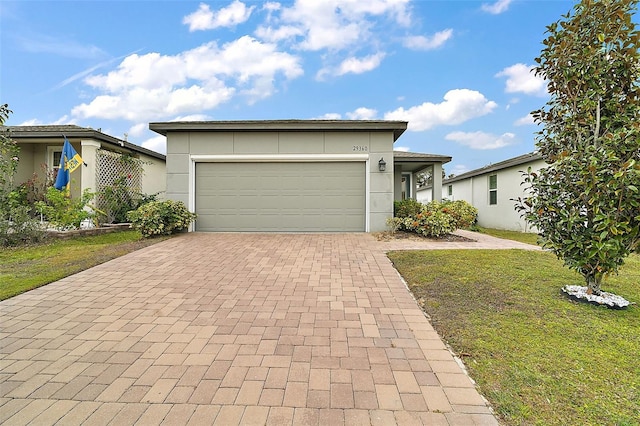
[(491, 190), (106, 158), (290, 175)]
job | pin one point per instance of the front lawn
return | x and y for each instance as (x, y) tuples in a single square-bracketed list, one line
[(523, 237), (539, 358), (25, 268)]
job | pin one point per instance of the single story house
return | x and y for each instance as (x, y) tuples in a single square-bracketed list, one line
[(491, 190), (105, 158), (291, 175)]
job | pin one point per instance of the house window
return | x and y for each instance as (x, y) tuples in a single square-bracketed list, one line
[(450, 190), (53, 158), (493, 189)]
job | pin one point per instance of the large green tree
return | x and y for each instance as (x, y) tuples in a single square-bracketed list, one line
[(585, 203), (8, 155)]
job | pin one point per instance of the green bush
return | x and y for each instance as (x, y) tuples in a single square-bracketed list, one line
[(119, 199), (463, 213), (63, 212), (406, 208), (31, 191), (434, 219), (161, 218), (17, 227), (430, 222)]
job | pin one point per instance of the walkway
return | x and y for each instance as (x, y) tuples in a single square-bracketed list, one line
[(233, 329)]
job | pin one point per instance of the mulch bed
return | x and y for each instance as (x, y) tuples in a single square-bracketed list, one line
[(404, 235)]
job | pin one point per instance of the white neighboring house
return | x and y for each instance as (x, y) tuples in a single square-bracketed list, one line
[(491, 190)]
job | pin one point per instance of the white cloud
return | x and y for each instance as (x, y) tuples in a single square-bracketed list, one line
[(31, 122), (230, 16), (37, 122), (459, 106), (481, 140), (153, 86), (88, 71), (524, 121), (271, 6), (352, 65), (496, 8), (156, 143), (521, 79), (428, 43), (458, 169), (360, 65), (363, 113), (332, 24), (192, 117), (401, 148), (275, 35), (330, 116), (138, 129)]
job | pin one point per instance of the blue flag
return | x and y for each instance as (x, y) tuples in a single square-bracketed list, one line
[(69, 161)]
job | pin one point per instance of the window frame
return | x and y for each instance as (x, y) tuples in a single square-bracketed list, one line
[(493, 189), (51, 158)]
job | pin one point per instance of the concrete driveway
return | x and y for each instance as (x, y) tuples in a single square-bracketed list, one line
[(233, 329)]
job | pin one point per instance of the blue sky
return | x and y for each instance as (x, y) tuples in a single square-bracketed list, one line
[(458, 71)]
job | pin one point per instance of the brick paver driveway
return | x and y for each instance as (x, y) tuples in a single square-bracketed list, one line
[(231, 329)]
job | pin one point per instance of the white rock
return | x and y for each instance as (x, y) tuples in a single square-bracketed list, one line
[(608, 299)]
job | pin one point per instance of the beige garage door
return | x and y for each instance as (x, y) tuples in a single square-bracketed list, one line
[(273, 197)]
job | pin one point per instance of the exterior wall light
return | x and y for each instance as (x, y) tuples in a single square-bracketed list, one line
[(382, 165)]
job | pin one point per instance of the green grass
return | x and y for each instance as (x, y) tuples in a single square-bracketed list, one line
[(539, 358), (523, 237), (25, 268)]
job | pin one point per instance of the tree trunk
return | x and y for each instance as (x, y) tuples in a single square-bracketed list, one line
[(593, 283)]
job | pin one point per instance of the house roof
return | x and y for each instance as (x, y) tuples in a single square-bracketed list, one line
[(398, 127), (73, 132), (415, 162), (409, 157), (511, 162)]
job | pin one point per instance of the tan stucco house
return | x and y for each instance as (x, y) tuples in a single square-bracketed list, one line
[(41, 146), (291, 175)]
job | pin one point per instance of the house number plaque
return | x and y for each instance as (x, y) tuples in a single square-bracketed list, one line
[(360, 148)]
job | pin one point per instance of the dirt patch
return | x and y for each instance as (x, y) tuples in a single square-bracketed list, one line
[(412, 236)]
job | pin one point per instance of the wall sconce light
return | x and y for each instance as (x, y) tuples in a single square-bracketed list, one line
[(382, 165)]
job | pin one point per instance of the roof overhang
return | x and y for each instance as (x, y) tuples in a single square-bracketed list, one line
[(36, 133), (511, 162), (414, 161), (397, 127)]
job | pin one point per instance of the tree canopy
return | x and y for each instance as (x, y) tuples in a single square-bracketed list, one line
[(585, 203)]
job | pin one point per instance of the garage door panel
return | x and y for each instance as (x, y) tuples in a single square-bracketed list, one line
[(280, 196)]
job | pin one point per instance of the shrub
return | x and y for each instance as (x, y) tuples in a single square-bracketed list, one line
[(463, 213), (35, 189), (406, 208), (434, 219), (17, 227), (119, 199), (161, 218), (63, 212), (430, 222), (394, 223)]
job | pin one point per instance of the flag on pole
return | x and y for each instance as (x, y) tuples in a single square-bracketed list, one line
[(69, 161)]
